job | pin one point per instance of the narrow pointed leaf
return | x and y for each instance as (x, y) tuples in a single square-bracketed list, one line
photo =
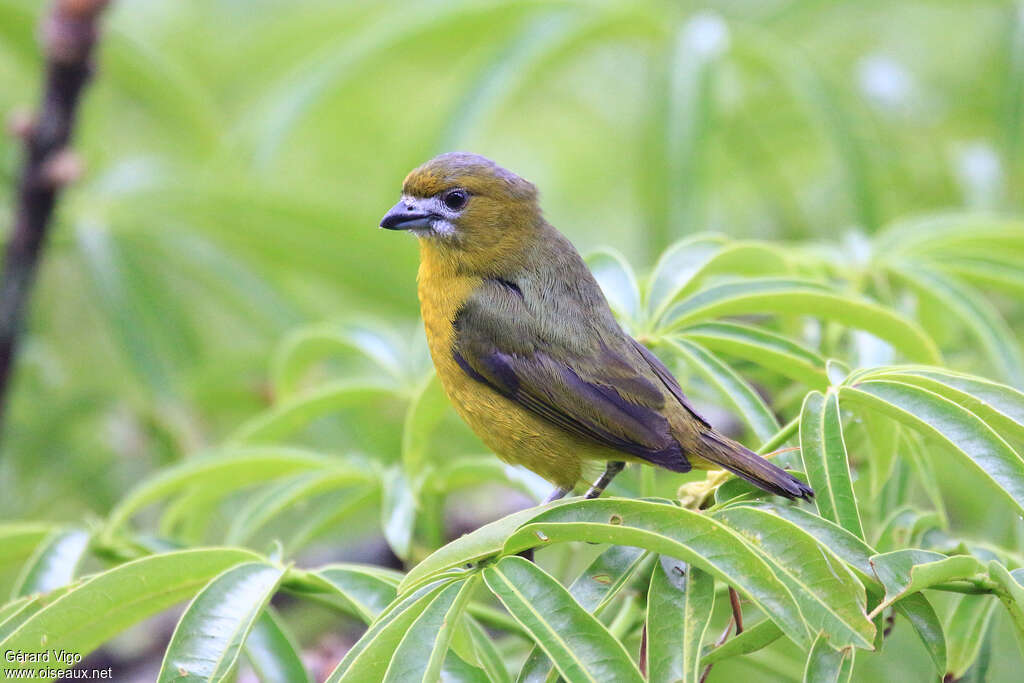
[(579, 645), (966, 630), (732, 388), (101, 607), (669, 530), (210, 634), (903, 572), (368, 659), (753, 638), (421, 653), (935, 415), (823, 451), (825, 664), (54, 563), (919, 612), (273, 653), (679, 605), (831, 598)]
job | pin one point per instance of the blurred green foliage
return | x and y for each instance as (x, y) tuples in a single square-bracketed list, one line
[(215, 286)]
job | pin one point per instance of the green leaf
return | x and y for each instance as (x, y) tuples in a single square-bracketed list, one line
[(766, 349), (54, 563), (798, 297), (210, 634), (273, 653), (669, 530), (731, 387), (825, 664), (1011, 594), (101, 607), (487, 653), (618, 282), (676, 267), (425, 413), (966, 629), (680, 601), (579, 645), (398, 512), (296, 412), (907, 571), (363, 590), (18, 540), (458, 670), (421, 653), (981, 318), (831, 598), (753, 638), (823, 451), (593, 589), (999, 405), (369, 658), (905, 527), (919, 612), (222, 473), (968, 435), (484, 542), (263, 506)]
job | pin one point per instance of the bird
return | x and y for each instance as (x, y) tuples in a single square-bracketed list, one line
[(526, 346)]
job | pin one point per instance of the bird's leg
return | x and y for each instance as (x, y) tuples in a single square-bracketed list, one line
[(557, 493), (612, 469)]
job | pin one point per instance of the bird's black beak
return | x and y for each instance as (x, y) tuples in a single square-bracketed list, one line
[(406, 216)]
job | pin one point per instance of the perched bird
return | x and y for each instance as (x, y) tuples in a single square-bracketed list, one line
[(527, 348)]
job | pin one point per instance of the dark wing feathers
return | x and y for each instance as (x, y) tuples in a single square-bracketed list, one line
[(601, 395)]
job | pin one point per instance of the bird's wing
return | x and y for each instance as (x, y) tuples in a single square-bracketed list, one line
[(606, 390)]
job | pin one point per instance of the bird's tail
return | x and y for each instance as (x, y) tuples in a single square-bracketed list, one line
[(747, 464)]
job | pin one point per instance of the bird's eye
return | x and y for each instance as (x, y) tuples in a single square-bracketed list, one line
[(455, 199)]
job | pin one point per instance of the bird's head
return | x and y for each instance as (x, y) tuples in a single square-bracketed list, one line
[(466, 207)]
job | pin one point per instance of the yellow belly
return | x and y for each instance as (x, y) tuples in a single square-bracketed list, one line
[(516, 435)]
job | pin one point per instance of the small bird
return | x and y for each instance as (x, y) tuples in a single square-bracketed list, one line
[(526, 346)]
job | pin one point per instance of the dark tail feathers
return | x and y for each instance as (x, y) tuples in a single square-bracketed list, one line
[(747, 464)]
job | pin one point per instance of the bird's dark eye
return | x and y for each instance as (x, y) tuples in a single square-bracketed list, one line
[(455, 199)]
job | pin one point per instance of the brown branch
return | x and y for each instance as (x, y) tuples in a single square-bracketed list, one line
[(69, 34)]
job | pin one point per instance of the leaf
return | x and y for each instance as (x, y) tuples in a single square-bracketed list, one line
[(618, 282), (753, 638), (1011, 594), (101, 607), (823, 452), (484, 542), (593, 589), (799, 297), (965, 632), (579, 645), (209, 636), (296, 412), (669, 530), (905, 527), (731, 387), (680, 601), (398, 512), (907, 571), (222, 472), (54, 563), (979, 316), (676, 268), (763, 348), (368, 659), (932, 414), (919, 612), (273, 653), (18, 540), (825, 664), (458, 670), (263, 506), (427, 409), (364, 590), (831, 598), (487, 653), (999, 405), (421, 653)]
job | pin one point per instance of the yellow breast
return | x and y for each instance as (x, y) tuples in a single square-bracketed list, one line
[(514, 434)]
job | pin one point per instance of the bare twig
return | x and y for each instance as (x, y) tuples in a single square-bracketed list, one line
[(737, 611), (69, 34)]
